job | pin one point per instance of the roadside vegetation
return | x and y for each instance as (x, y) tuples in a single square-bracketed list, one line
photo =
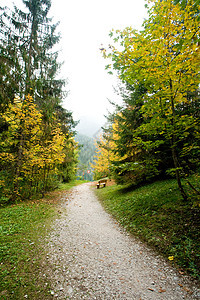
[(154, 132), (23, 227), (151, 139), (37, 146), (69, 185), (157, 214)]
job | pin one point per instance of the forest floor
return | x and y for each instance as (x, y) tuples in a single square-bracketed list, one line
[(89, 256)]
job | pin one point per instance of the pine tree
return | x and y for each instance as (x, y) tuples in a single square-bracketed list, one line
[(10, 70)]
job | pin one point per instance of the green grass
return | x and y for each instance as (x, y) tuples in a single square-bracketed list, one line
[(23, 228), (157, 215), (69, 185)]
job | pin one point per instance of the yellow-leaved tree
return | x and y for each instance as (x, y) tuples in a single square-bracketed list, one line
[(106, 153), (164, 58), (29, 158)]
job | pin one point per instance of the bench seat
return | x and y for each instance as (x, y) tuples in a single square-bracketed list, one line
[(103, 182)]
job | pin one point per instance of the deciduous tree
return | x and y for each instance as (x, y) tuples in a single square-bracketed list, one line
[(164, 58)]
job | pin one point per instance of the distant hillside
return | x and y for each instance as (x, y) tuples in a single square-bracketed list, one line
[(89, 126), (86, 156)]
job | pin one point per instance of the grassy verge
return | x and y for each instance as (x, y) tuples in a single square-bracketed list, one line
[(157, 215), (23, 227), (69, 185)]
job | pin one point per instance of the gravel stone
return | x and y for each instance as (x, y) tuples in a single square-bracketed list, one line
[(97, 259)]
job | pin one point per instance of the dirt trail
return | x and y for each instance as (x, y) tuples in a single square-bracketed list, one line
[(93, 258)]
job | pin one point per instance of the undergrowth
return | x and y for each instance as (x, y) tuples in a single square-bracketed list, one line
[(157, 214)]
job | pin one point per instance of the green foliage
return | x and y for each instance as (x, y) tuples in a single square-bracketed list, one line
[(143, 152), (10, 71), (68, 168), (85, 156), (159, 115), (157, 214), (184, 3)]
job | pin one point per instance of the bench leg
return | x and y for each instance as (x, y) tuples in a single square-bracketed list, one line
[(97, 185), (104, 185)]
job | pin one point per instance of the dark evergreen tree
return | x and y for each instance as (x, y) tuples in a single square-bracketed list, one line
[(144, 155), (10, 69)]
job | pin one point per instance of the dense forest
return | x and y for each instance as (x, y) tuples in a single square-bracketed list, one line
[(87, 149), (155, 133), (37, 146)]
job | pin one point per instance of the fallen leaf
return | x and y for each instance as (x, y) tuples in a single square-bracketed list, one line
[(187, 290), (161, 290), (171, 257), (180, 284)]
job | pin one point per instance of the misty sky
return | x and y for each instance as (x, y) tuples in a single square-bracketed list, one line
[(84, 26)]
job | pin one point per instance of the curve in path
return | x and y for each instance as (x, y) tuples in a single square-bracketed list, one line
[(93, 258)]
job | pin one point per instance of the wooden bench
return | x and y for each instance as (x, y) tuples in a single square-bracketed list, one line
[(101, 181)]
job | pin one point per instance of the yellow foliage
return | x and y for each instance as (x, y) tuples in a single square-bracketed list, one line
[(36, 153), (165, 55), (105, 153)]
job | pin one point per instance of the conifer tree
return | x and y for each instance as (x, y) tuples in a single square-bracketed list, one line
[(10, 70)]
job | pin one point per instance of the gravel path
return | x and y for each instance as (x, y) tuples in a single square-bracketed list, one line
[(93, 258)]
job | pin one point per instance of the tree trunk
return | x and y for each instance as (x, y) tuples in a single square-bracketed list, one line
[(173, 145), (18, 167), (177, 172)]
